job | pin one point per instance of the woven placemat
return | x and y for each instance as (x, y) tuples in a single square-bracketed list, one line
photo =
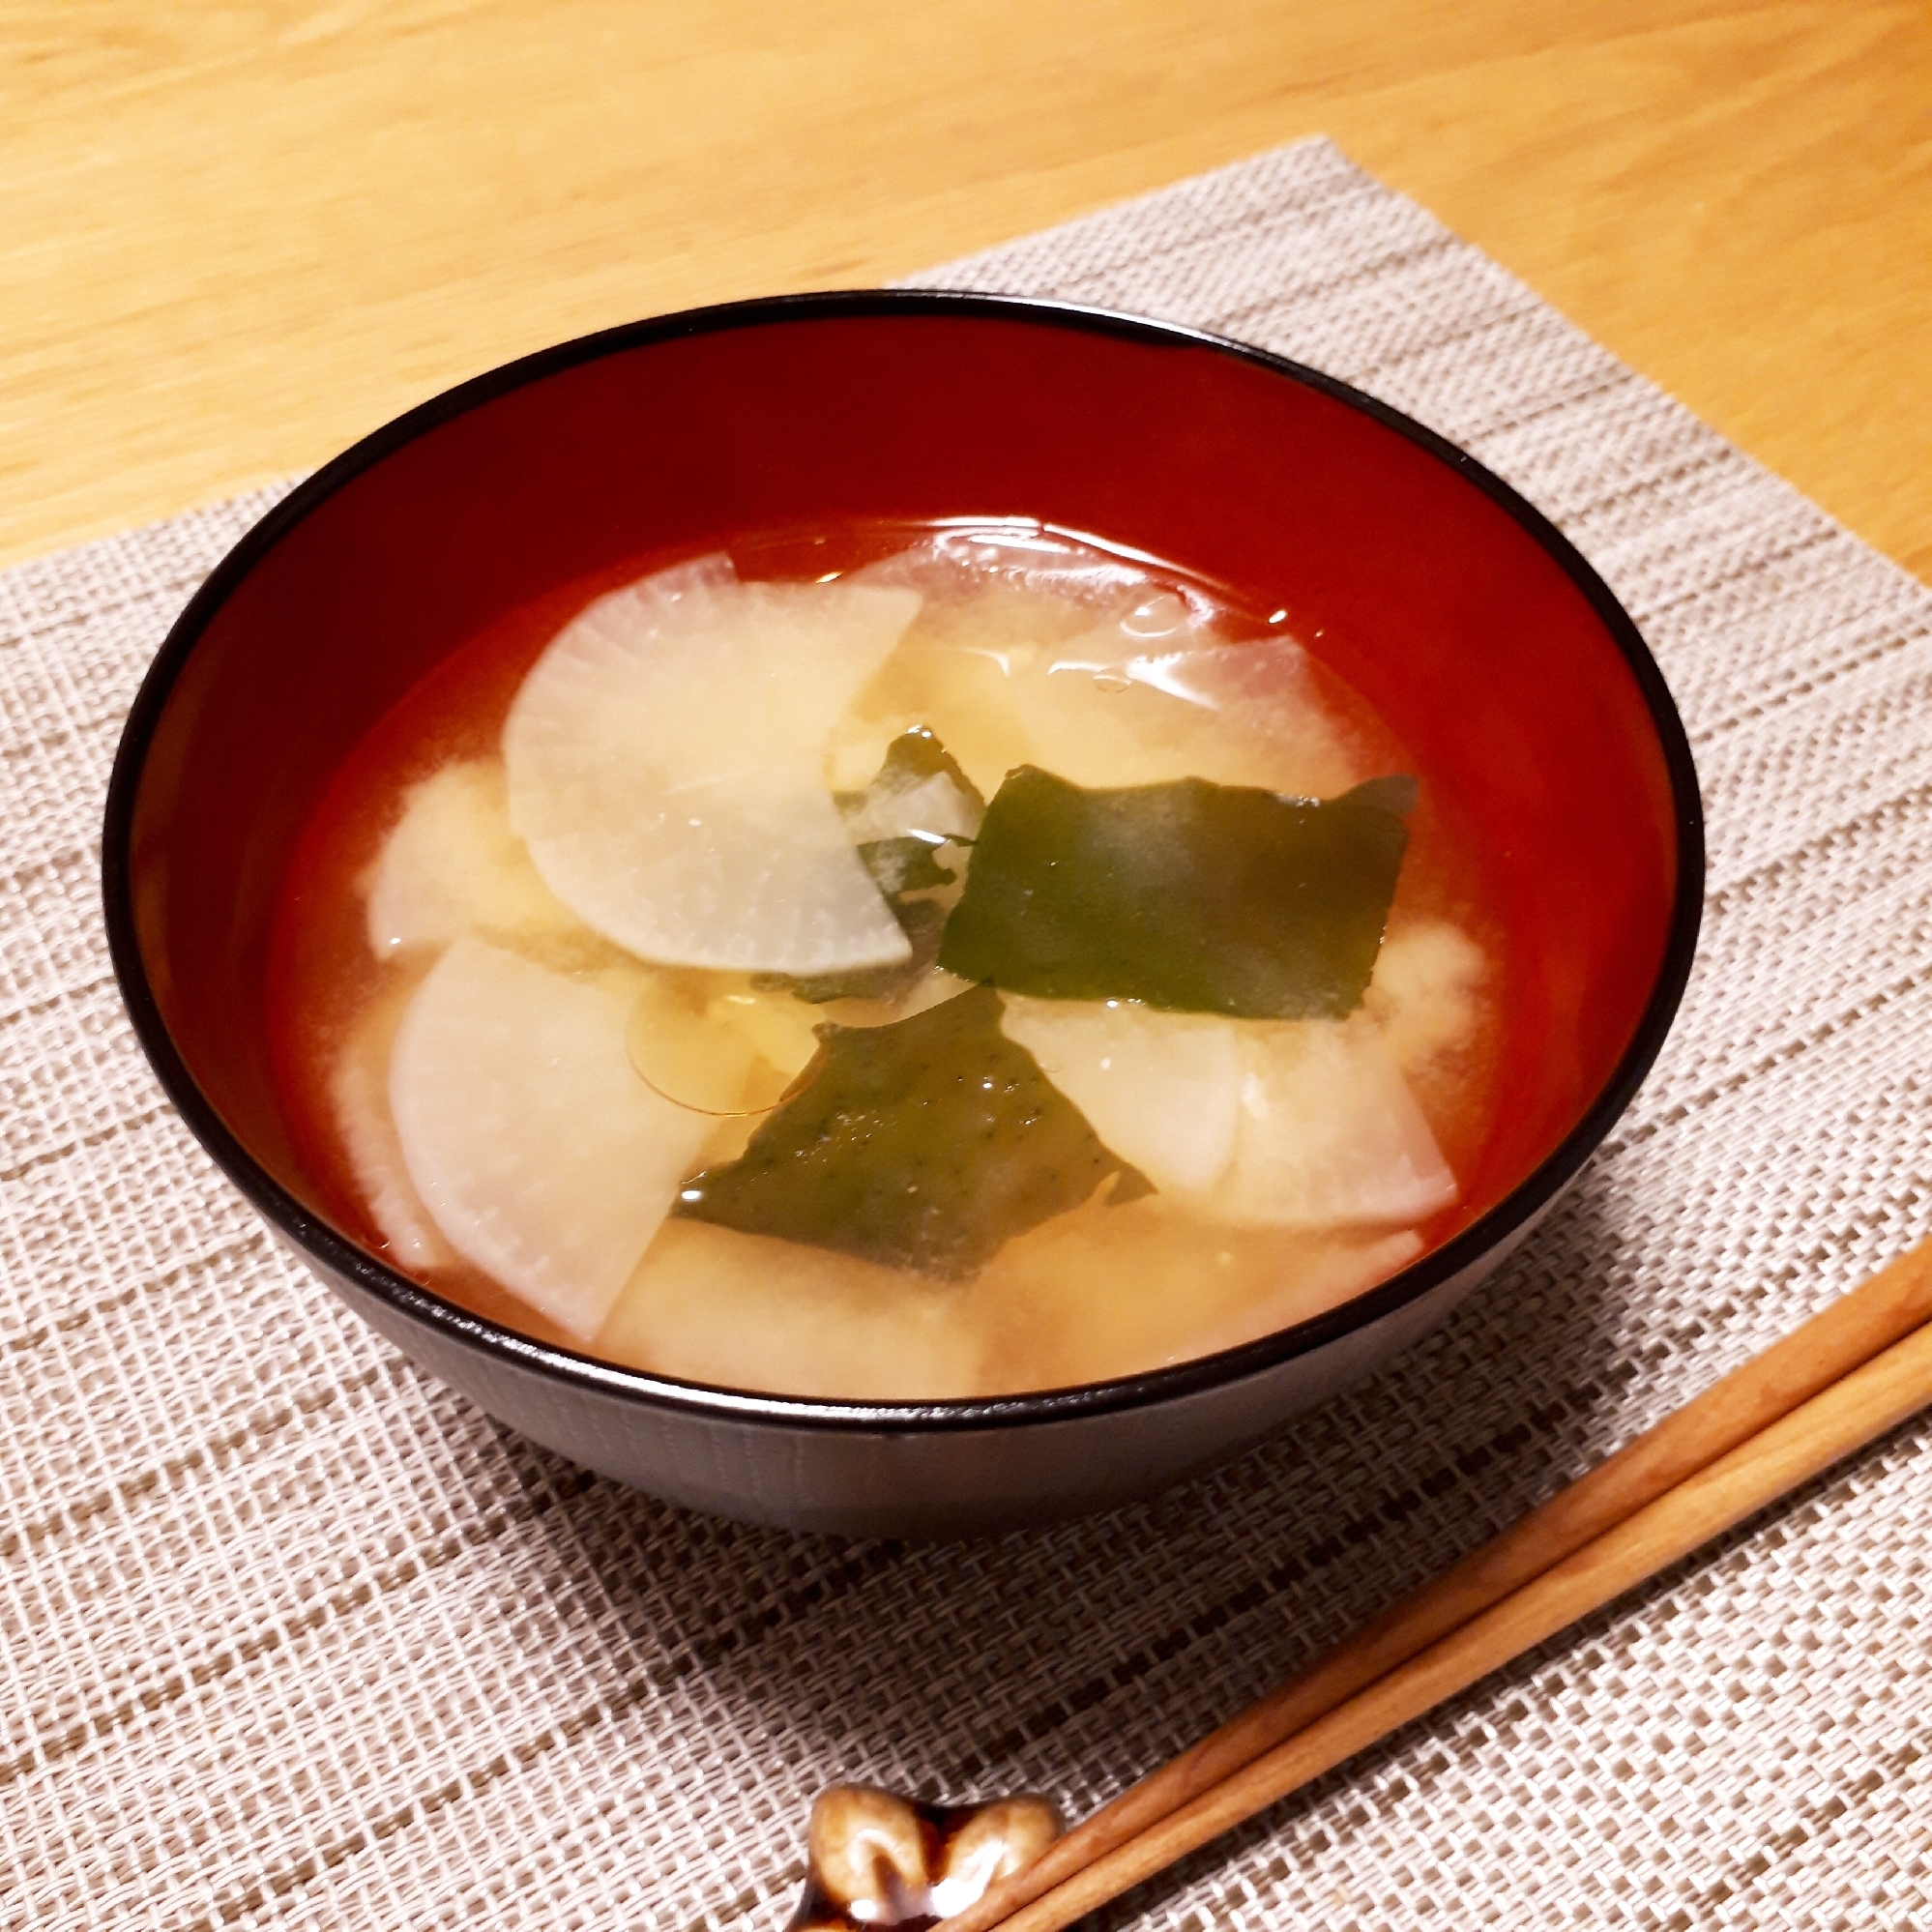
[(292, 1637)]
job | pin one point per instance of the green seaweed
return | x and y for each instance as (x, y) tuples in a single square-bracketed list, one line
[(917, 882), (1193, 896), (924, 1145)]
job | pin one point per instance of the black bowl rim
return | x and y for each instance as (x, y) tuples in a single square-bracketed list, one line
[(316, 1238)]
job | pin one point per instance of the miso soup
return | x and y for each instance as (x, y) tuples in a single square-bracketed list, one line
[(890, 963)]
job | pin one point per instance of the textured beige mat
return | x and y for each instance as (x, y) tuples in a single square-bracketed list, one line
[(292, 1638)]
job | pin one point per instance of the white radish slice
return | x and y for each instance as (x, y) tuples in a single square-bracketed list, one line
[(1107, 708), (1016, 581), (666, 763), (745, 1311), (1161, 1090), (933, 810), (1113, 709), (1322, 1276), (1111, 1291), (359, 1094), (541, 1154), (453, 867), (963, 694), (1329, 1134)]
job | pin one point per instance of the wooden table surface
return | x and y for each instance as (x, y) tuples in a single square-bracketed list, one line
[(236, 234)]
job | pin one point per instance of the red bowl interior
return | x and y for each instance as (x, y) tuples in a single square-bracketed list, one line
[(1479, 637)]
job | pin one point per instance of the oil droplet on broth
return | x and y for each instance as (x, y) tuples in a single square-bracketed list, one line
[(1160, 616), (696, 1060)]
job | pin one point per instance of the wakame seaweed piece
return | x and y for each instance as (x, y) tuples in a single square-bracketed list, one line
[(924, 1145), (906, 867), (1193, 896)]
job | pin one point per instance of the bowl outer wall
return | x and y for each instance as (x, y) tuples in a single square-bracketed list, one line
[(908, 1481), (158, 753)]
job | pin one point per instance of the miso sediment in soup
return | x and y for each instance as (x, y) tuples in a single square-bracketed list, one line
[(996, 965)]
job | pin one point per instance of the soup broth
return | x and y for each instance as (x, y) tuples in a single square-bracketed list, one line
[(895, 964)]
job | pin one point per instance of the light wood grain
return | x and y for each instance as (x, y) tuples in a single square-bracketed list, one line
[(236, 236)]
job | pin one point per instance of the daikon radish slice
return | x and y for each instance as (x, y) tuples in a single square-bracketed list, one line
[(1161, 1089), (933, 989), (1118, 1291), (666, 758), (359, 1095), (1155, 698), (964, 693), (1329, 1134), (742, 1310), (541, 1154), (1330, 1269), (452, 867)]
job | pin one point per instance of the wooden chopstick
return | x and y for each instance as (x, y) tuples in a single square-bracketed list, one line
[(1839, 1381), (1822, 1431)]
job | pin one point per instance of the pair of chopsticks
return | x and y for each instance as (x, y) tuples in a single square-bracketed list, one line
[(1840, 1381)]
